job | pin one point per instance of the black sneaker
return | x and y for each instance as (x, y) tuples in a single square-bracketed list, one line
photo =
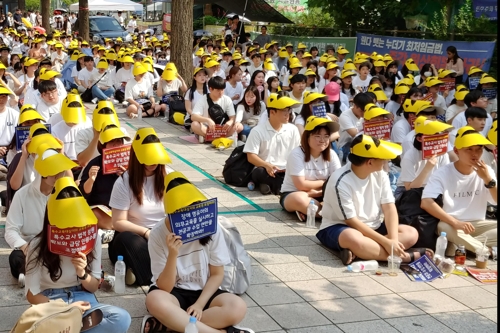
[(264, 189)]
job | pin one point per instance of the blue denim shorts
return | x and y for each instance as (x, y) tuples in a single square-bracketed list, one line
[(329, 236), (73, 294)]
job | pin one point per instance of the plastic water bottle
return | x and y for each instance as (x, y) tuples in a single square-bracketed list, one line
[(120, 270), (441, 244), (191, 327), (312, 209), (139, 113), (359, 266), (235, 139), (251, 186)]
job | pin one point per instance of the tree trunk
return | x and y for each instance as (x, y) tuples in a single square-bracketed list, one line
[(83, 20), (181, 43), (21, 4), (45, 12)]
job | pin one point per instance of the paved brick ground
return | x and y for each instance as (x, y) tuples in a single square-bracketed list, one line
[(297, 285)]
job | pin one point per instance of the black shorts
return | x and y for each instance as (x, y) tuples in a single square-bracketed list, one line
[(187, 298)]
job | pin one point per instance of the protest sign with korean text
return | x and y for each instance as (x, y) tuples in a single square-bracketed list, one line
[(68, 242), (490, 93), (115, 158), (486, 8), (195, 221), (218, 132), (473, 82), (486, 276), (424, 270), (449, 84), (319, 110), (429, 98), (23, 132), (436, 144), (380, 129)]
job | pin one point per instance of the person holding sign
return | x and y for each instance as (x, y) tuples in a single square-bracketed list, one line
[(457, 105), (466, 186), (377, 122), (309, 166), (137, 204), (488, 85), (187, 276), (24, 220), (313, 105), (70, 269), (475, 98), (447, 90), (433, 83), (404, 126), (359, 215)]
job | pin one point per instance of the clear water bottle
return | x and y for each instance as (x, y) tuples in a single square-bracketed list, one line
[(312, 209), (139, 113), (120, 270), (441, 244), (191, 327), (360, 266), (251, 186), (234, 137)]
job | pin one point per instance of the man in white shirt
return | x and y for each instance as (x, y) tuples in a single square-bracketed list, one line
[(86, 74), (466, 186), (351, 122), (430, 112), (120, 19), (475, 98), (8, 122), (269, 144), (132, 24), (49, 102), (359, 215), (404, 126)]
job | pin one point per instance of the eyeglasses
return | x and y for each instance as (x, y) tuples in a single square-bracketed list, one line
[(321, 138), (51, 93)]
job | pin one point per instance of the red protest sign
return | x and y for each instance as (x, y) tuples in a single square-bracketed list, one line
[(436, 144), (380, 129), (68, 242), (114, 158), (218, 132), (429, 98), (449, 84)]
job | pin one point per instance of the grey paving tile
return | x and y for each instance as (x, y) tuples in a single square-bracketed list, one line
[(258, 217), (389, 306), (250, 302), (309, 252), (294, 239), (490, 313), (433, 301), (360, 286), (491, 288), (418, 324), (272, 294), (368, 326), (257, 241), (293, 272), (451, 281), (473, 297), (6, 278), (261, 275), (272, 256), (12, 295), (9, 315), (259, 321), (296, 315), (268, 227), (331, 268), (467, 321), (317, 290), (317, 329), (344, 310), (400, 283)]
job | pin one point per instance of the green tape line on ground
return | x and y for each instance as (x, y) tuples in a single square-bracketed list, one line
[(209, 176)]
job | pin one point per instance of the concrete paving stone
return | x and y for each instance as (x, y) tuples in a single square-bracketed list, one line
[(10, 314), (317, 329), (4, 259), (258, 217), (490, 313), (273, 294), (259, 321), (135, 325), (273, 228), (357, 286), (12, 295), (344, 310), (451, 281), (315, 239), (367, 326), (466, 321), (285, 240), (245, 228), (433, 301), (272, 256), (317, 290), (389, 306), (6, 278), (474, 297), (129, 290), (248, 300), (134, 304), (261, 275), (309, 252), (418, 324), (331, 268), (400, 283), (257, 241), (293, 272), (296, 315), (492, 288)]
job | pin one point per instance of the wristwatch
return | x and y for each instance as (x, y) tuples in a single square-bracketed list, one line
[(84, 277), (491, 184)]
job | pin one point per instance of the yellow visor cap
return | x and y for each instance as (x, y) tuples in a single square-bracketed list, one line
[(413, 106), (222, 142), (280, 102), (401, 88), (313, 122), (311, 96), (72, 110), (68, 212), (485, 78), (471, 139), (49, 162), (38, 135), (169, 74), (430, 127), (269, 65), (98, 118), (492, 133), (378, 91), (111, 132), (410, 64), (179, 118), (149, 153), (29, 114), (179, 192), (384, 150), (460, 92), (372, 111)]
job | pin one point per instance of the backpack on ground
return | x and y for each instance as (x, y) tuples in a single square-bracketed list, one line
[(176, 105), (237, 170), (238, 273)]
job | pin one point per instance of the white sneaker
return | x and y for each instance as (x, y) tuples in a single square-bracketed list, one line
[(124, 104), (200, 138), (94, 101), (20, 280), (115, 102)]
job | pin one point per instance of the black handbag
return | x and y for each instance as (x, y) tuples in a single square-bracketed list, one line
[(87, 94), (216, 112)]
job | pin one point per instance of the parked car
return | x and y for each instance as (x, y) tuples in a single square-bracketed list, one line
[(107, 27)]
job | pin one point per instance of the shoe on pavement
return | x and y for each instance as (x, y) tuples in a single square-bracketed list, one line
[(95, 100), (20, 280), (107, 236), (264, 189)]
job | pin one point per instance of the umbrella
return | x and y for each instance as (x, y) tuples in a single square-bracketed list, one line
[(244, 19), (40, 30), (26, 22), (202, 33), (62, 10)]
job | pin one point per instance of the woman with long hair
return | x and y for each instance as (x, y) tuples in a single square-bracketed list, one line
[(197, 90), (249, 110), (258, 80), (137, 204), (234, 88), (455, 63), (139, 95)]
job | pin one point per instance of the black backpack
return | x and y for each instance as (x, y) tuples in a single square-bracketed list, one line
[(216, 112), (175, 104), (237, 170)]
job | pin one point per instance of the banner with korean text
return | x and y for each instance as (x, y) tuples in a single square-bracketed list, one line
[(424, 51), (487, 8)]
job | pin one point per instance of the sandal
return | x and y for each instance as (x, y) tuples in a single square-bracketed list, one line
[(236, 329), (133, 115), (347, 256), (148, 115), (421, 250), (301, 216)]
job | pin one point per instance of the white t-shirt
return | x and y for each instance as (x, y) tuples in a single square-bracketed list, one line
[(201, 107), (68, 136), (24, 78), (231, 91), (273, 146), (407, 143), (393, 108), (123, 75), (460, 122), (38, 279), (8, 122), (135, 90), (464, 196), (348, 120), (86, 76), (193, 258), (74, 72), (298, 108), (412, 165), (47, 111), (453, 110), (400, 130), (172, 86), (347, 196), (132, 24), (242, 116), (363, 84), (315, 169), (146, 215), (440, 102), (84, 138)]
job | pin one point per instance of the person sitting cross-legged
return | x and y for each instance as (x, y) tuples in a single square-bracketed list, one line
[(359, 214)]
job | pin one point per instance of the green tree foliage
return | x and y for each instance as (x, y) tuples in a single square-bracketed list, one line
[(36, 4)]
